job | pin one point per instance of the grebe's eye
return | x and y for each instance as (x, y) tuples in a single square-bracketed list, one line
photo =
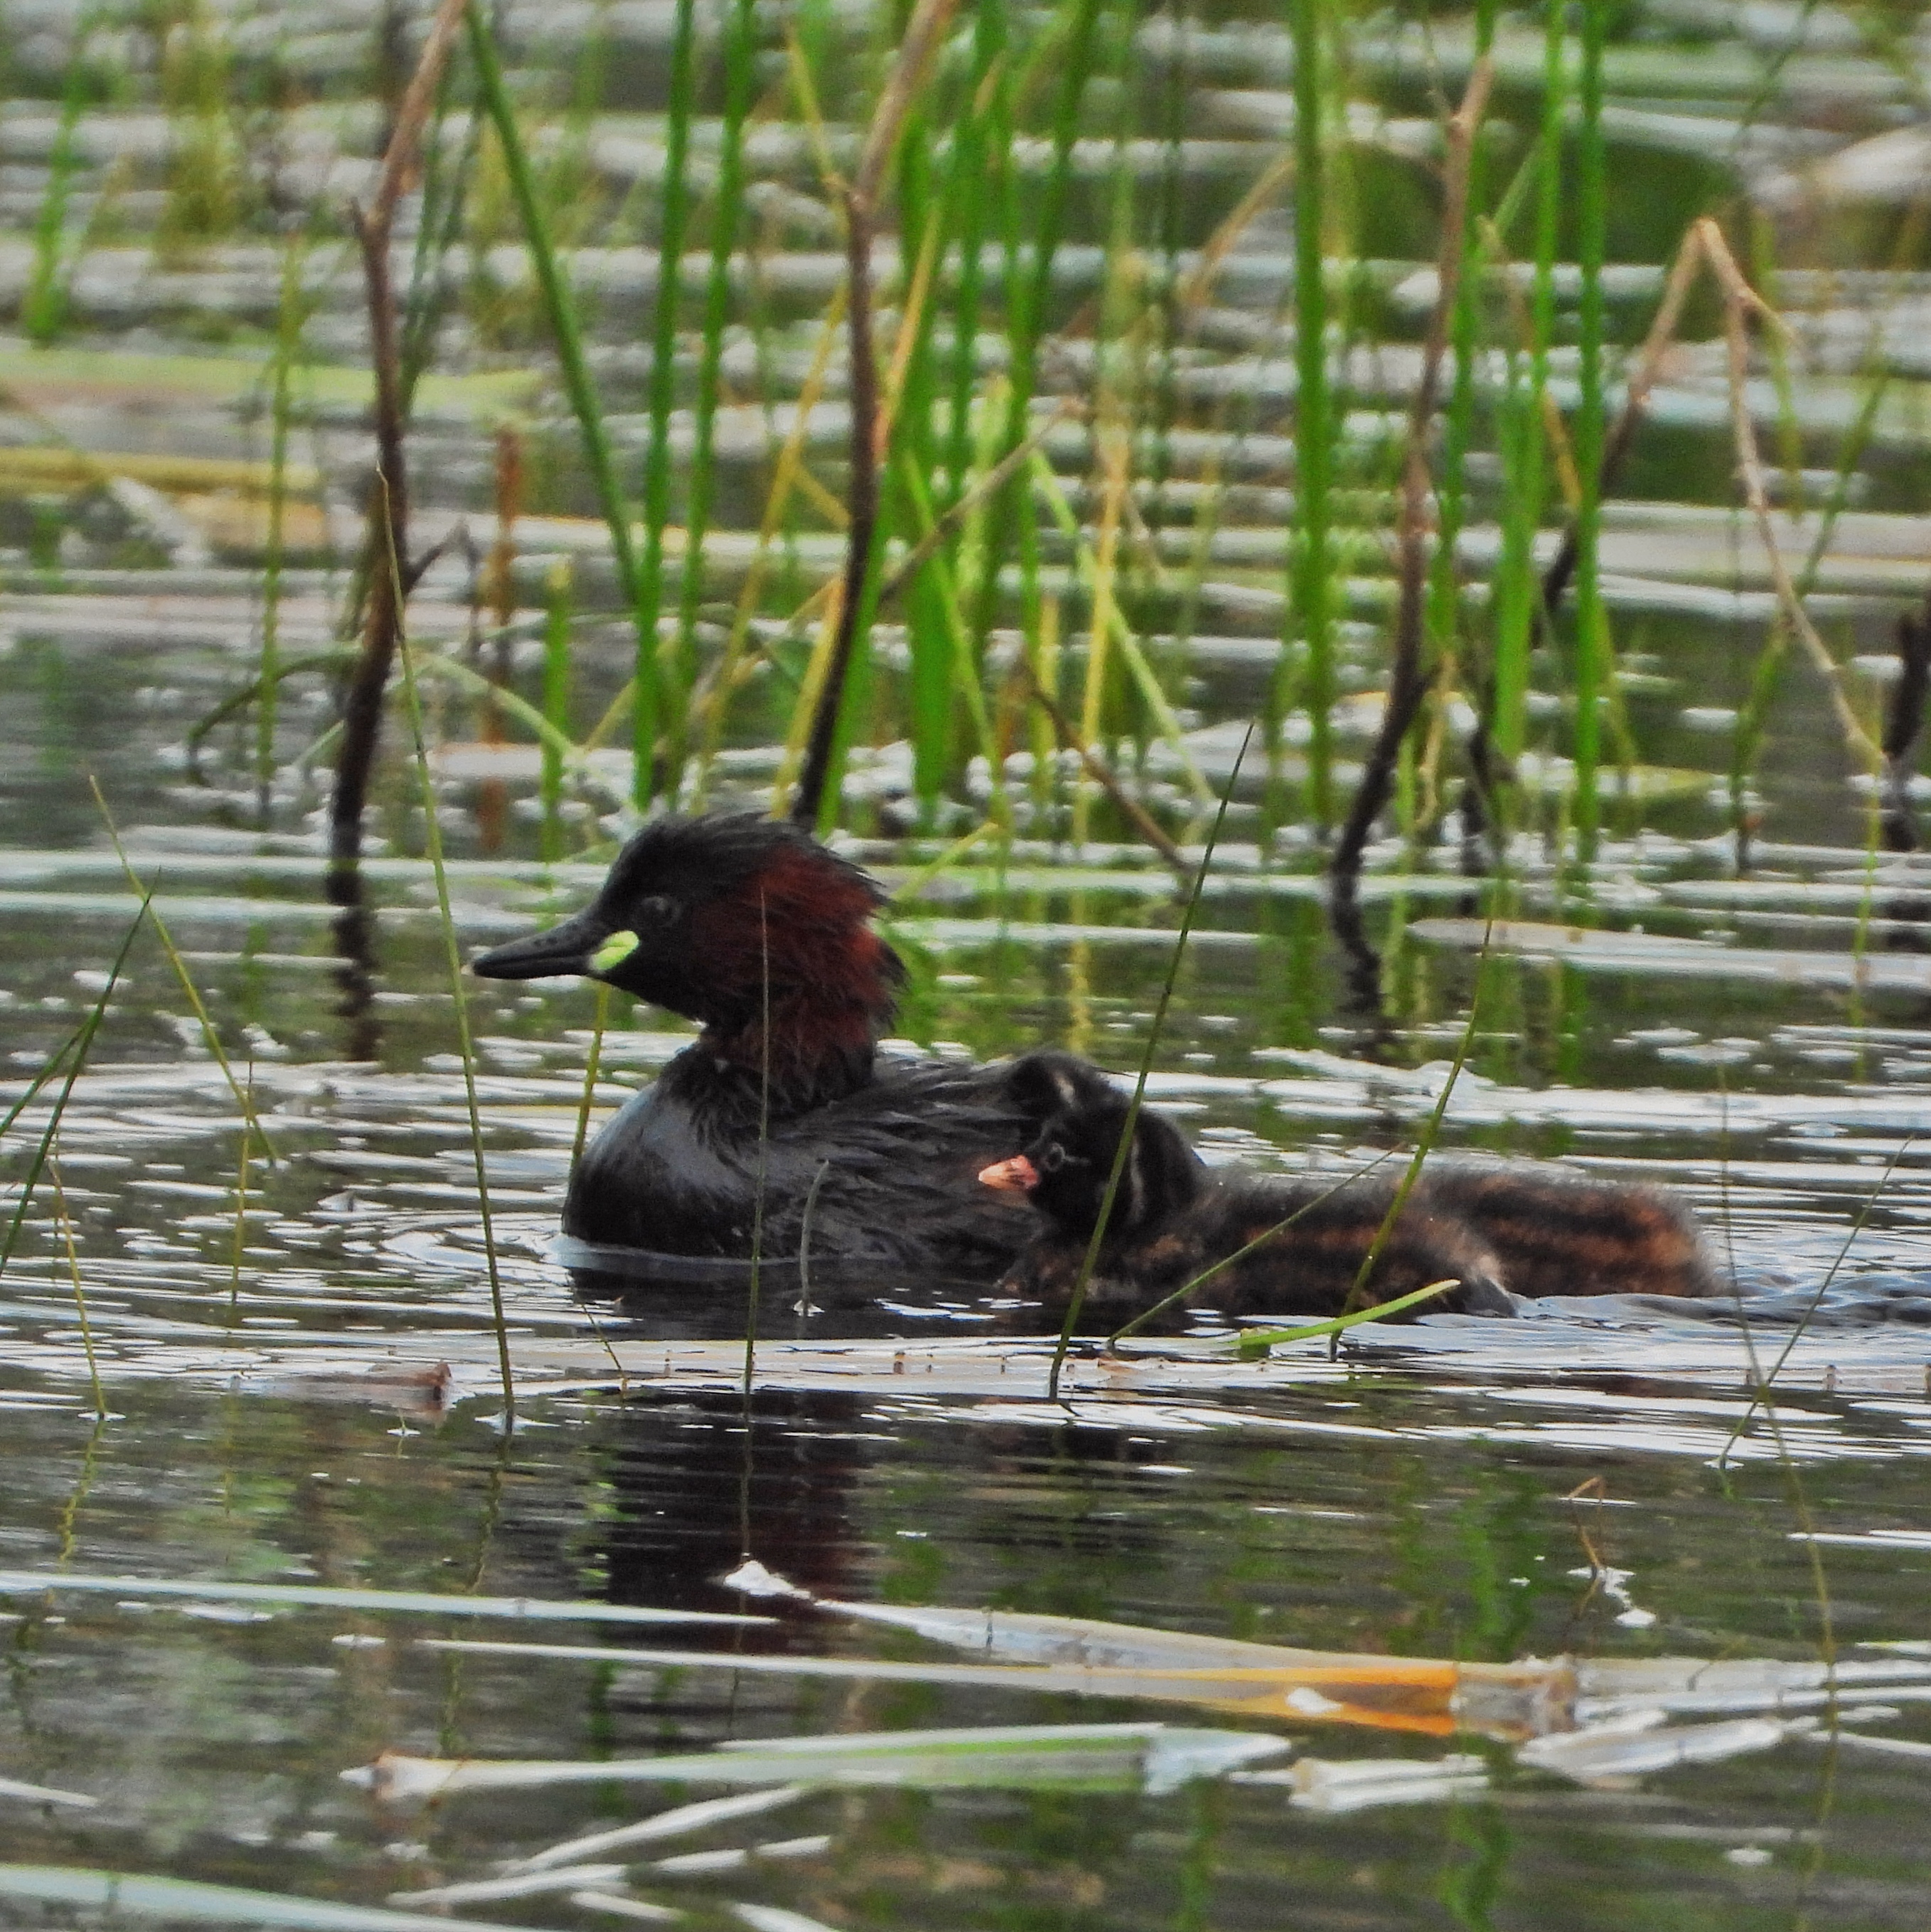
[(1054, 1159), (657, 911)]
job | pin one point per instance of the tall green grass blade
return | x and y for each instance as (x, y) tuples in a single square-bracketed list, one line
[(660, 699), (458, 989), (1591, 617), (63, 1221), (211, 1038), (556, 704), (975, 182), (290, 314), (1029, 289), (43, 307), (1310, 562), (726, 209), (83, 1040), (567, 333)]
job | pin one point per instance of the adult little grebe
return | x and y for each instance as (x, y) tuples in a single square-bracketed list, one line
[(1173, 1219), (751, 927)]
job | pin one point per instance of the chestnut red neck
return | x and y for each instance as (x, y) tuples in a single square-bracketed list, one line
[(800, 984)]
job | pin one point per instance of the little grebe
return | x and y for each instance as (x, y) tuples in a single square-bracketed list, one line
[(751, 927), (1173, 1219)]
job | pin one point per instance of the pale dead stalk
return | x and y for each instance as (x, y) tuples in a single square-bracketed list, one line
[(1740, 302)]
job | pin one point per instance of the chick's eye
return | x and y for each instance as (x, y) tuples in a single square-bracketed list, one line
[(1054, 1159), (656, 910)]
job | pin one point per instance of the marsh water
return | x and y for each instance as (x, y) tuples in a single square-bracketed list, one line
[(296, 1329)]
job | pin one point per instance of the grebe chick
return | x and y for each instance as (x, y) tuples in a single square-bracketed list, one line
[(1532, 1230), (1174, 1219), (754, 929), (1555, 1233)]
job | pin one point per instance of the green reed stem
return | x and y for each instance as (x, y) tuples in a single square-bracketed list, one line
[(592, 1066), (567, 333), (975, 181), (1030, 297), (466, 1041), (1591, 619), (739, 50), (1255, 1343), (210, 1038), (43, 307), (82, 1041), (645, 720), (290, 313), (236, 1248), (1121, 1153), (1310, 564), (64, 1221), (555, 703), (1459, 429)]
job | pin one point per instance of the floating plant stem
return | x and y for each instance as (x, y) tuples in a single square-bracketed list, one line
[(1155, 1028), (1253, 1344), (82, 1041)]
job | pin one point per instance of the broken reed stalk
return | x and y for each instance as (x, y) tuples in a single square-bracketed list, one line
[(1129, 807), (388, 492), (1407, 680), (922, 35)]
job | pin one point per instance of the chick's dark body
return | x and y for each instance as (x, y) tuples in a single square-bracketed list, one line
[(1231, 1233)]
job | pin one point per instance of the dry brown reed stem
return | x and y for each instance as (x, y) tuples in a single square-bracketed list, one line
[(388, 497), (1648, 367), (1129, 808), (922, 35), (1406, 680), (1740, 302)]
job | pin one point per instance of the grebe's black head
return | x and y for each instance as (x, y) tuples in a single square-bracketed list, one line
[(720, 918), (1079, 1115)]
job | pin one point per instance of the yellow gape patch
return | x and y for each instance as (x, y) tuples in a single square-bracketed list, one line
[(614, 951)]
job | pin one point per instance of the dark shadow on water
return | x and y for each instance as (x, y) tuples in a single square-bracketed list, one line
[(353, 931)]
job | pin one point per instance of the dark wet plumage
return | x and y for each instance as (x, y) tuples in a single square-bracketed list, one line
[(1267, 1245), (759, 933)]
